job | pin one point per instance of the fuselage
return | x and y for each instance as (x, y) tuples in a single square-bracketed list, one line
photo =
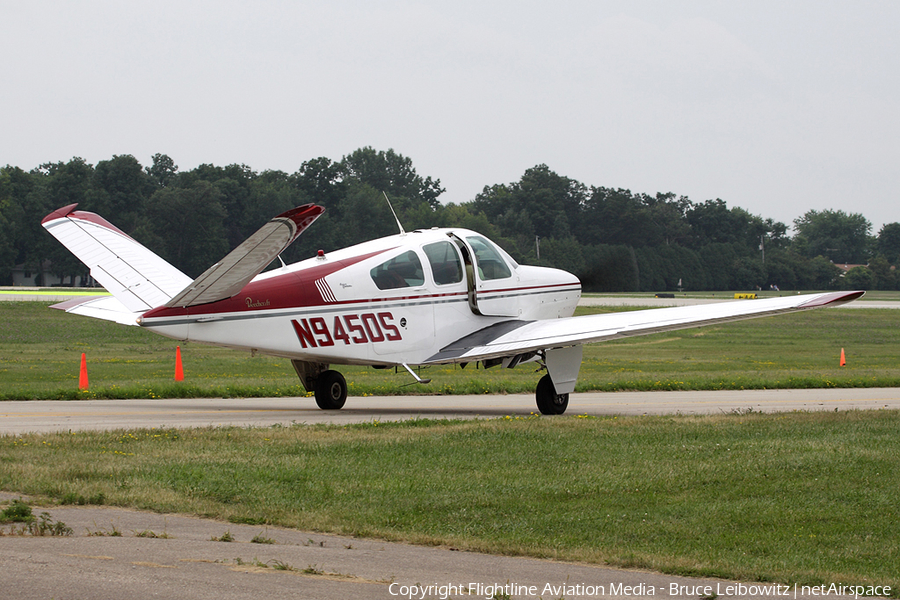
[(390, 301)]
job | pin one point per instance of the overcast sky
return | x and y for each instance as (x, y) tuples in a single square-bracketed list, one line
[(776, 107)]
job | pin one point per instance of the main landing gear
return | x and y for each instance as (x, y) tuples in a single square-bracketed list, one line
[(548, 401), (331, 390), (329, 386), (563, 364)]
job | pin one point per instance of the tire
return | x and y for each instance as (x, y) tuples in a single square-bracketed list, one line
[(331, 390), (548, 401)]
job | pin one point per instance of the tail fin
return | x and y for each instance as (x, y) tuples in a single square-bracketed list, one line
[(140, 280), (135, 276)]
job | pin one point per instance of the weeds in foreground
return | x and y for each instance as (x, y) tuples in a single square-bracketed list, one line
[(23, 522), (152, 535), (259, 538), (113, 532)]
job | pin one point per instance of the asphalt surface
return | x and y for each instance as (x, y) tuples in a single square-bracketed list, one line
[(46, 416)]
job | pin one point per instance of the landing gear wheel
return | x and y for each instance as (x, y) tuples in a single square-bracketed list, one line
[(331, 390), (548, 401)]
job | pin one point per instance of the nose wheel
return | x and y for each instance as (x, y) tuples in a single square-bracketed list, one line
[(331, 390), (548, 401)]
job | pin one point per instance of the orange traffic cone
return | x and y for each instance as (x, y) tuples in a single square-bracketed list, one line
[(179, 371), (843, 358), (82, 375)]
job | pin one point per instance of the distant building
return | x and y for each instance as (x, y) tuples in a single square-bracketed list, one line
[(846, 266), (41, 278)]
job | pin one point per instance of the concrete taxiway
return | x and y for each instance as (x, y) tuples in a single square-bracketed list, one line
[(48, 416)]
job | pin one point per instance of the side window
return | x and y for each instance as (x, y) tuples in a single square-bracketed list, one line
[(399, 272), (490, 264), (445, 264)]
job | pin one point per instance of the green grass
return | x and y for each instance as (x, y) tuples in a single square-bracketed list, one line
[(806, 498), (40, 351)]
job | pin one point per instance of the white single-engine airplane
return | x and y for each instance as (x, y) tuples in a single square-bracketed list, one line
[(420, 298)]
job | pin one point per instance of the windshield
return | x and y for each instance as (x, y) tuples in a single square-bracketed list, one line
[(490, 263)]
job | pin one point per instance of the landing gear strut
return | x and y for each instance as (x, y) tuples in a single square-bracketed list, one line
[(548, 401), (329, 386)]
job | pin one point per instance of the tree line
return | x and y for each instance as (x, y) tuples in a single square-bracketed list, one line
[(612, 239)]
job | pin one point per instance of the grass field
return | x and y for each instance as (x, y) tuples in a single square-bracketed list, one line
[(40, 350), (793, 498)]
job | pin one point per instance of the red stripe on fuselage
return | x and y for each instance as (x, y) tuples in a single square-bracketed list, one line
[(321, 303), (290, 290)]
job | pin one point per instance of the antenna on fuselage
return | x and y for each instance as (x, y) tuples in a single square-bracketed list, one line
[(402, 232)]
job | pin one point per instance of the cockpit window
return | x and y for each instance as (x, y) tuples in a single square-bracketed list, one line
[(445, 264), (399, 272), (490, 264)]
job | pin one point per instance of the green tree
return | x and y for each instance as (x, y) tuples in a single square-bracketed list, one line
[(612, 216), (163, 171), (858, 278), (393, 174), (834, 234), (883, 276), (718, 260), (565, 253), (185, 226), (54, 185), (824, 274), (665, 216), (321, 182), (119, 190), (610, 269), (15, 185), (748, 274), (542, 203), (888, 244), (364, 215)]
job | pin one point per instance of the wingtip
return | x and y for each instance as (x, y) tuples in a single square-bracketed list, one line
[(834, 298), (59, 213), (303, 216)]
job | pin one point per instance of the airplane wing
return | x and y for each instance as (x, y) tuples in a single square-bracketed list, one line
[(510, 338), (137, 277), (228, 276)]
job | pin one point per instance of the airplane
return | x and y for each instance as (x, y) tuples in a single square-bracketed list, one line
[(418, 298)]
